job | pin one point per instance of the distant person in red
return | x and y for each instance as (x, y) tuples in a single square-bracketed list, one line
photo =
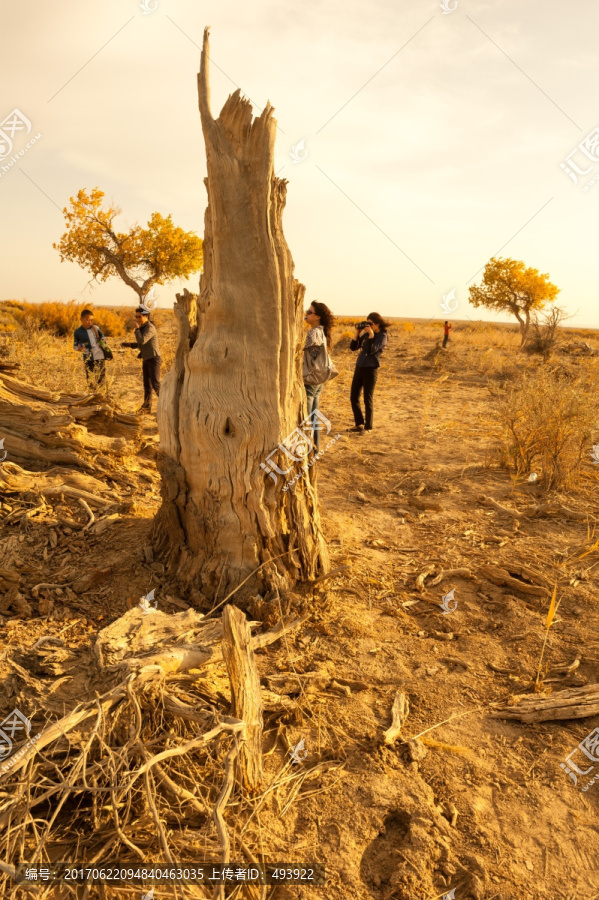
[(446, 330)]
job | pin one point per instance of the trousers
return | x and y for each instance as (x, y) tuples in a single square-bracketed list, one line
[(95, 371), (364, 380), (313, 396), (150, 369)]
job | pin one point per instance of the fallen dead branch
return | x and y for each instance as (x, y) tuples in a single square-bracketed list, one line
[(573, 703), (399, 714), (548, 510), (46, 426), (450, 573), (519, 578), (15, 480), (420, 579), (153, 756), (429, 570), (419, 503)]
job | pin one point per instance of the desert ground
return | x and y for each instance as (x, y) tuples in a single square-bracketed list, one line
[(465, 799)]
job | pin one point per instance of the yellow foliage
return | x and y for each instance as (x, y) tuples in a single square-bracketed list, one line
[(508, 286), (141, 257)]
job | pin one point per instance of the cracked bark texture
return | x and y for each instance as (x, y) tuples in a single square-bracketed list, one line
[(235, 390)]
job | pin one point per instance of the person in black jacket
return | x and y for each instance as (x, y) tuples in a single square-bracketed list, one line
[(146, 341), (371, 342)]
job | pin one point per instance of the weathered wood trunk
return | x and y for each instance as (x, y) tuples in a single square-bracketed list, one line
[(245, 693), (46, 427), (235, 390)]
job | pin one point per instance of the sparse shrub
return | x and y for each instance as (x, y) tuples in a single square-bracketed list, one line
[(344, 339), (549, 419)]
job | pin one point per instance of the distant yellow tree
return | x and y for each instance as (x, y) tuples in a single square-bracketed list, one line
[(142, 257), (508, 286)]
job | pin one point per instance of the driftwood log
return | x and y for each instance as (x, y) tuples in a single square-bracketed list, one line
[(573, 703), (49, 427), (245, 692), (518, 578)]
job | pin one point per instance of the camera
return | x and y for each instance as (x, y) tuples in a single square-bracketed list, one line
[(361, 325)]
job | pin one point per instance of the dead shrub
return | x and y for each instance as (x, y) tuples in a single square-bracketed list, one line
[(548, 419), (544, 336)]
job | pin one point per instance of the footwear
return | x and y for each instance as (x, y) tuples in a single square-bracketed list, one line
[(357, 429)]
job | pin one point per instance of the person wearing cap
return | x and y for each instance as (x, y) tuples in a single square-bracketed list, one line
[(146, 341)]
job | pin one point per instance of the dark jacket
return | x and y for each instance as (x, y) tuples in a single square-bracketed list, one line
[(81, 337), (370, 349), (146, 339)]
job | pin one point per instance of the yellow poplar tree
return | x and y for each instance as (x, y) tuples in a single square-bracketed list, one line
[(141, 257), (508, 286)]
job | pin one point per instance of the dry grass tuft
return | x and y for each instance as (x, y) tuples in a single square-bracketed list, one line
[(549, 418)]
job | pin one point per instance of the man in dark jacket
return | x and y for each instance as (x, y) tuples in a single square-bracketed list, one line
[(146, 341), (86, 340)]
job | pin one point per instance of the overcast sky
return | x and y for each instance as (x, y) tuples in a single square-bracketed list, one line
[(432, 140)]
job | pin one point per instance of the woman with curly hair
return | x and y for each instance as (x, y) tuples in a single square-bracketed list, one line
[(370, 339), (321, 320)]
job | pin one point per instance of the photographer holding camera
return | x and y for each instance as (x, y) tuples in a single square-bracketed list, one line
[(370, 339)]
